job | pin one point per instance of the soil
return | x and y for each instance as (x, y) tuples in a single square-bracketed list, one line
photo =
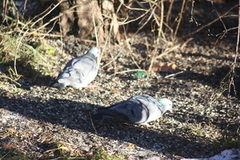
[(42, 122)]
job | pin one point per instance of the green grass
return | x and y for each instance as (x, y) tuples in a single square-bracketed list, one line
[(13, 154), (25, 55), (62, 150), (104, 155), (59, 152)]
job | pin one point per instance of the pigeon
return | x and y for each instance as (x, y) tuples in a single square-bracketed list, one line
[(137, 109), (79, 72)]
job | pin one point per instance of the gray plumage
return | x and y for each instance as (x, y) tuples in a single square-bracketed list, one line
[(79, 72), (137, 109)]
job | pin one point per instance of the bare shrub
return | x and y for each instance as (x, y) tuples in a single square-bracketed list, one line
[(94, 19)]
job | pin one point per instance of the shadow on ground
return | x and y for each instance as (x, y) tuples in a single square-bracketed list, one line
[(219, 78), (27, 75), (72, 115)]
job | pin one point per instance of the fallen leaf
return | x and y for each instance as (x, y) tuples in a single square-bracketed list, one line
[(130, 146), (90, 153), (163, 67), (9, 146)]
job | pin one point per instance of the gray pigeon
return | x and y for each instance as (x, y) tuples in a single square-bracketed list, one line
[(137, 109), (79, 72)]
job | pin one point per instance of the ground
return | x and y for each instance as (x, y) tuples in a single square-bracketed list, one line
[(41, 122)]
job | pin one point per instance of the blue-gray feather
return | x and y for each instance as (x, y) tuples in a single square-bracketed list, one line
[(79, 72)]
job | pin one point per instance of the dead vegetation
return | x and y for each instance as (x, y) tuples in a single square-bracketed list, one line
[(146, 33)]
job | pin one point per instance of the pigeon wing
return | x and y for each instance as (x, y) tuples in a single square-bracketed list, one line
[(63, 78), (66, 72), (78, 72), (127, 111), (151, 106), (84, 69)]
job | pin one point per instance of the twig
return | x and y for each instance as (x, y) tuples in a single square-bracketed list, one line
[(204, 26), (132, 70), (39, 34), (169, 12), (185, 43), (227, 30), (131, 52), (236, 56), (160, 22), (180, 17), (6, 77), (93, 124), (152, 9), (113, 59), (154, 56), (168, 50), (46, 15), (174, 74)]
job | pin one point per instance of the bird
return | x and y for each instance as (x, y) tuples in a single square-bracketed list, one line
[(139, 109), (79, 72)]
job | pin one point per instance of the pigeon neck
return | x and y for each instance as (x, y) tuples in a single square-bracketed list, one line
[(160, 104), (91, 54)]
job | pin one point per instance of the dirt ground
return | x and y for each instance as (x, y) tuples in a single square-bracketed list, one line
[(40, 122)]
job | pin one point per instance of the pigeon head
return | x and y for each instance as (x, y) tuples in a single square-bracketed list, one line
[(94, 50), (166, 104)]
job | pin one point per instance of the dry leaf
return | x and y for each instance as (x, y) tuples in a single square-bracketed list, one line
[(9, 146), (163, 67), (130, 146)]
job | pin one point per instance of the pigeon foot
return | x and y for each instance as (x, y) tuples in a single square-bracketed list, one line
[(91, 86), (146, 125)]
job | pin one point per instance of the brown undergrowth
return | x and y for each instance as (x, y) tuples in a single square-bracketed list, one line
[(33, 49)]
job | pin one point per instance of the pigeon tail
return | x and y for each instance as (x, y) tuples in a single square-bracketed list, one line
[(99, 116), (104, 113)]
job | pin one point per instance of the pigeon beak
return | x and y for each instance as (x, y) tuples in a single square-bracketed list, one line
[(171, 111)]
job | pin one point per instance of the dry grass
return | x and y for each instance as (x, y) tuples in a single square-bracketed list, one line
[(22, 45), (17, 51)]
